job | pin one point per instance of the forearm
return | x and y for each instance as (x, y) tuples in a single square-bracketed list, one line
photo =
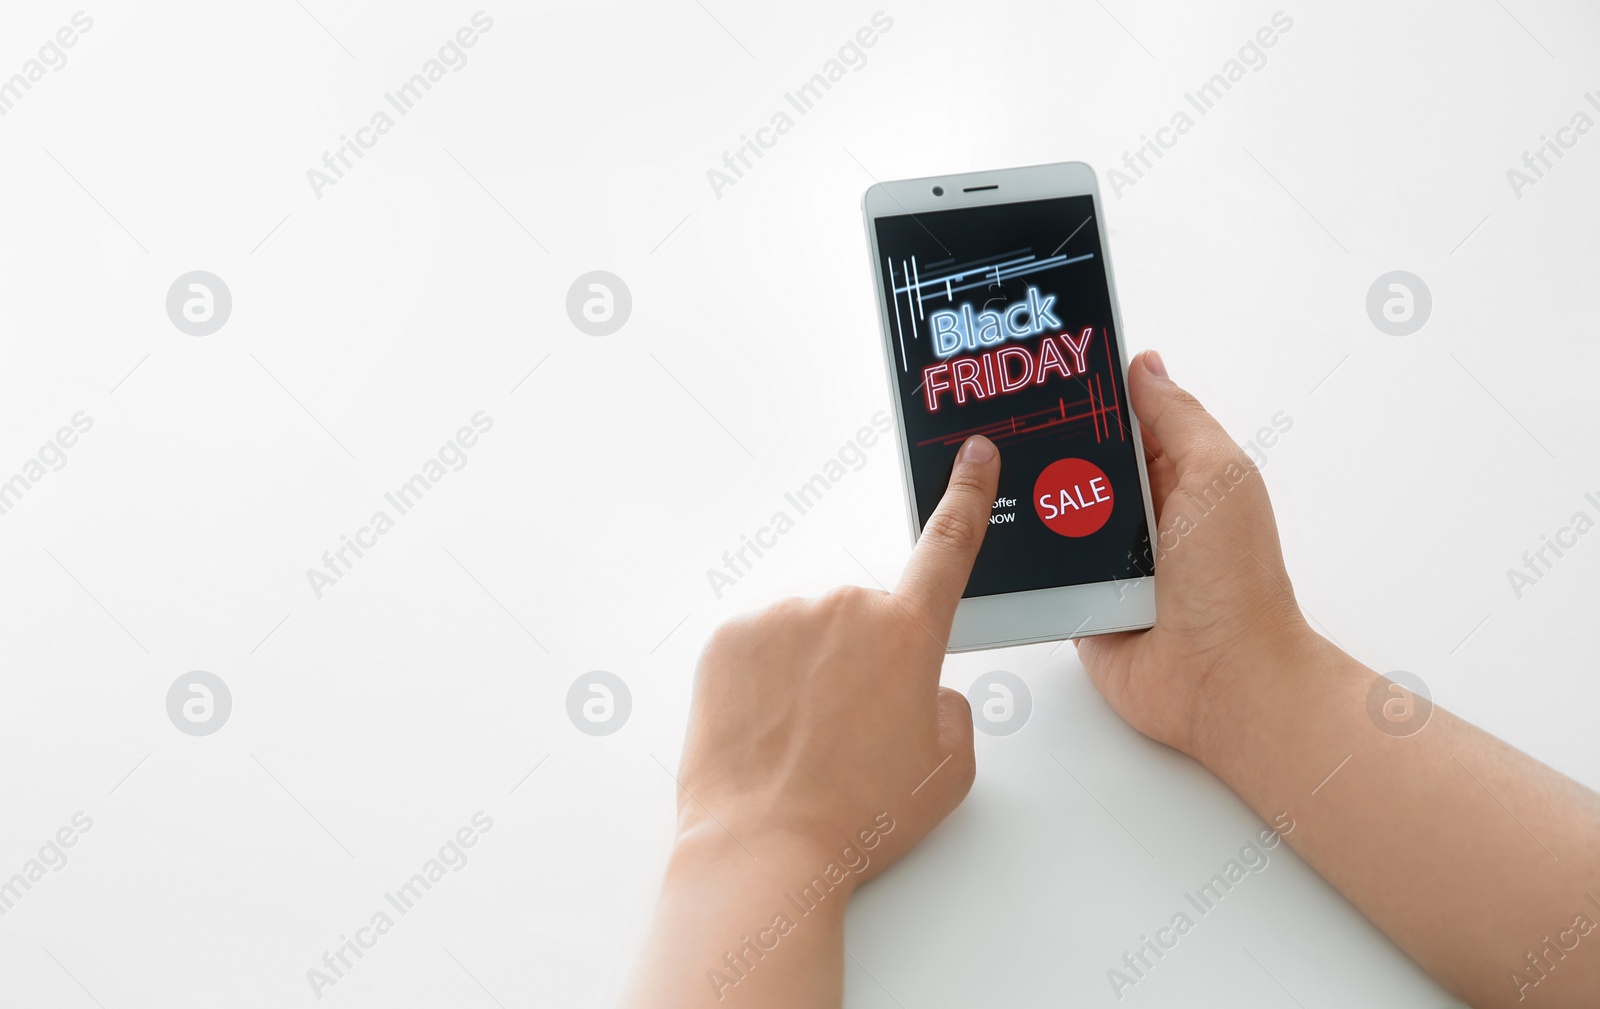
[(1469, 854), (732, 930)]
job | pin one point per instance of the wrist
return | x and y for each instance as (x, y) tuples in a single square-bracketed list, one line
[(1269, 686), (739, 913), (767, 865)]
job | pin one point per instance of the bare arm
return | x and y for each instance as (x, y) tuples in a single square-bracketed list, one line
[(1469, 854)]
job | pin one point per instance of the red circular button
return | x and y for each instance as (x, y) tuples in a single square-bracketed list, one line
[(1073, 497)]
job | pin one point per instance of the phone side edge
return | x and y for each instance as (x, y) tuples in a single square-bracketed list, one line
[(875, 270)]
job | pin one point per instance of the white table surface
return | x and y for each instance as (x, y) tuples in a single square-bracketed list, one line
[(372, 320)]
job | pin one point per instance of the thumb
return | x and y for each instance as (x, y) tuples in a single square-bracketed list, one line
[(955, 739), (1188, 435)]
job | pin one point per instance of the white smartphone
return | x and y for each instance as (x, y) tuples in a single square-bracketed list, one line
[(999, 317)]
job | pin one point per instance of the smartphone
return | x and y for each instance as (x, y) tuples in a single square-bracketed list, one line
[(999, 317)]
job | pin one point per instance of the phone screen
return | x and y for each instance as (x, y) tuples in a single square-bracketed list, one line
[(1000, 323)]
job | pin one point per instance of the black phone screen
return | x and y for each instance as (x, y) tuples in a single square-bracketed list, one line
[(1000, 324)]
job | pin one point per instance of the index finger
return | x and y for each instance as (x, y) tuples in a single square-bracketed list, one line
[(937, 573)]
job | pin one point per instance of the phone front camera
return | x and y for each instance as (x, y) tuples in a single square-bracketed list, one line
[(938, 190)]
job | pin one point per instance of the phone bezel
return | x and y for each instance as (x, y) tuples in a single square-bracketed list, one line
[(1068, 611)]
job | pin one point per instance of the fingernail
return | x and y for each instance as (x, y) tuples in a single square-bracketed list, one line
[(1158, 367), (978, 450)]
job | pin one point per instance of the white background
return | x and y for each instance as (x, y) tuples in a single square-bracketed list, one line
[(421, 688)]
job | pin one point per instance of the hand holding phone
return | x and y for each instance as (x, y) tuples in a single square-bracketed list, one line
[(1228, 613)]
